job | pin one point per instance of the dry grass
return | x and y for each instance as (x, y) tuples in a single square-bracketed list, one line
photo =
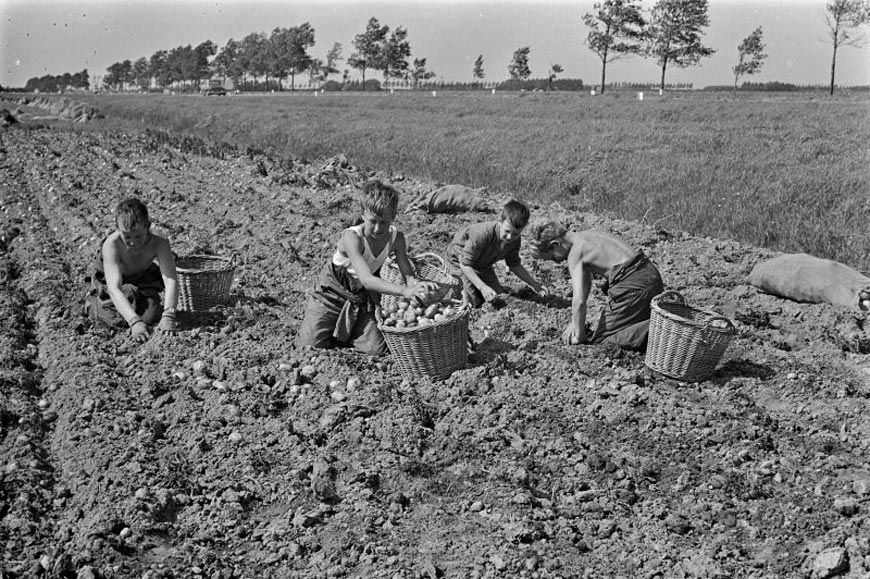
[(789, 172)]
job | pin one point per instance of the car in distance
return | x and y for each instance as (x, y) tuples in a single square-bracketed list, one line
[(215, 91)]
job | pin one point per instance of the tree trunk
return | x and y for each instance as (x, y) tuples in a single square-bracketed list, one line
[(833, 67), (364, 80), (603, 74), (664, 67)]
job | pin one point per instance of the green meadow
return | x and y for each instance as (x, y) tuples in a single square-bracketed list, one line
[(786, 171)]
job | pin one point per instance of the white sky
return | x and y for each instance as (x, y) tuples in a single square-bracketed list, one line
[(39, 37)]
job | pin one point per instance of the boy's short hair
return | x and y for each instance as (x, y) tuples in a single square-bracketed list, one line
[(131, 212), (515, 213), (378, 197), (542, 234)]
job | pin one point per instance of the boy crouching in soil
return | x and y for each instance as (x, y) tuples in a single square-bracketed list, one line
[(341, 308), (631, 282), (476, 248), (125, 280)]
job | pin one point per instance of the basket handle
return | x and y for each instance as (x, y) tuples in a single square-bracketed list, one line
[(670, 296), (431, 256)]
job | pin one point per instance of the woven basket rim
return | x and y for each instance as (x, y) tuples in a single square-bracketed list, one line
[(706, 325), (227, 263)]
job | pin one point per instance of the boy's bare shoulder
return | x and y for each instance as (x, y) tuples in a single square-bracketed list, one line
[(160, 238), (111, 242)]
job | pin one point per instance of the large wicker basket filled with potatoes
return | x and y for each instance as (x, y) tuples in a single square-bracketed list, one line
[(428, 338)]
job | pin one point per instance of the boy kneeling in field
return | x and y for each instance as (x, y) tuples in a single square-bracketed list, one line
[(341, 308), (631, 282), (476, 248), (125, 280)]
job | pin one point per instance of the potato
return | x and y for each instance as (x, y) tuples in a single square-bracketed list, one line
[(424, 322), (390, 322), (432, 310), (448, 312), (400, 323), (865, 305), (438, 318), (403, 304), (410, 316)]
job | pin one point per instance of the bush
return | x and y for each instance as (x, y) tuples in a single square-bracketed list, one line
[(332, 86), (373, 85)]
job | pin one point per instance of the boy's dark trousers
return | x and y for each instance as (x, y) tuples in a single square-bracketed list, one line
[(142, 291), (630, 288)]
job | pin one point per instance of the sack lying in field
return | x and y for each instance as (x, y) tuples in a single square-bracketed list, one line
[(451, 199), (805, 278)]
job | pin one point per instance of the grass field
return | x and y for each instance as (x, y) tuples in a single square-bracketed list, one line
[(790, 172)]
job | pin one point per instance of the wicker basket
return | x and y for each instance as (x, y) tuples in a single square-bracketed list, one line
[(685, 342), (437, 349), (203, 281)]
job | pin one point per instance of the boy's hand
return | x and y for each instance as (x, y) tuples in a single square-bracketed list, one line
[(488, 293), (418, 291), (573, 336), (167, 322), (140, 331), (544, 291)]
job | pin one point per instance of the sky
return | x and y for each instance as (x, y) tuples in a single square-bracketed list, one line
[(39, 37)]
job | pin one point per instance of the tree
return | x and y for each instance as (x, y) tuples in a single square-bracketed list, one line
[(368, 47), (119, 74), (554, 70), (142, 73), (750, 56), (289, 51), (519, 66), (253, 55), (616, 30), (674, 33), (419, 72), (394, 54), (202, 54), (477, 73), (157, 68), (843, 19), (80, 79), (227, 63), (321, 70), (183, 64)]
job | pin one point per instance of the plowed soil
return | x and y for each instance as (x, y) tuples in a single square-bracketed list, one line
[(228, 451)]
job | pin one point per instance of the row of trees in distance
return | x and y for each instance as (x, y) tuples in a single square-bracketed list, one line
[(671, 33), (58, 83), (282, 55)]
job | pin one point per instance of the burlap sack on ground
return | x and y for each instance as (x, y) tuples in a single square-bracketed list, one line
[(451, 199), (805, 278)]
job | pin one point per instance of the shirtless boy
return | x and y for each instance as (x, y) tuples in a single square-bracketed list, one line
[(126, 282), (631, 282)]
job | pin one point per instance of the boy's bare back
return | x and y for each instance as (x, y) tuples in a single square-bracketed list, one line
[(133, 261), (598, 251)]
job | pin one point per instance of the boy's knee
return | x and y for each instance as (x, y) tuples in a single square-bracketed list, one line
[(374, 349)]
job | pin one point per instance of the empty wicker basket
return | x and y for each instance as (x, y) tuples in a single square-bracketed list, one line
[(203, 281), (438, 349), (685, 342)]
